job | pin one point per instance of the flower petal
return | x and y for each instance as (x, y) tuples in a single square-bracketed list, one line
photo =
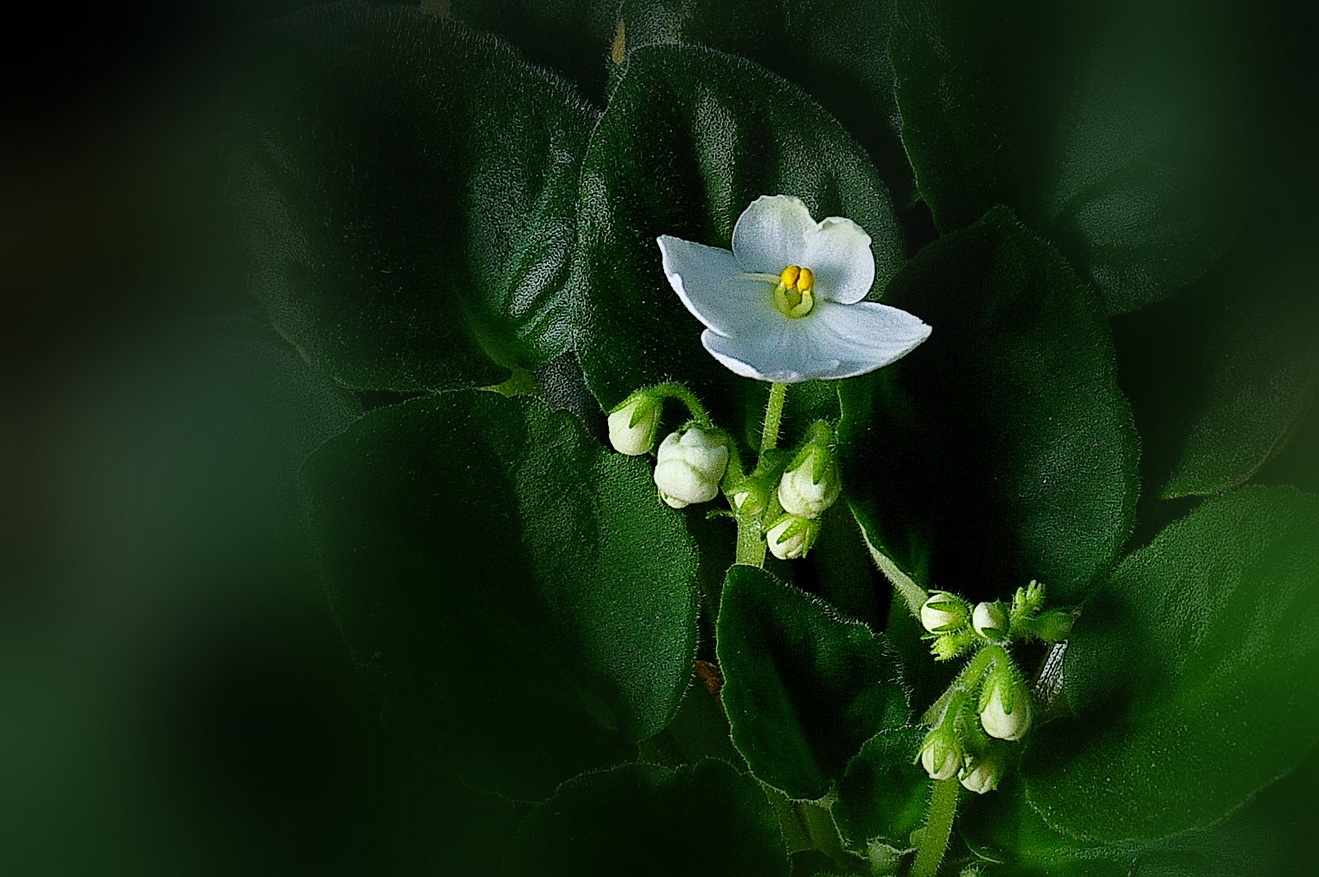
[(865, 336), (770, 234), (785, 356), (715, 290), (838, 251)]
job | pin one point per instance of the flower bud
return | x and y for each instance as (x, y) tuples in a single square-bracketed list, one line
[(982, 773), (1053, 626), (941, 754), (689, 465), (749, 497), (633, 423), (811, 483), (990, 621), (792, 536), (1005, 707), (943, 612)]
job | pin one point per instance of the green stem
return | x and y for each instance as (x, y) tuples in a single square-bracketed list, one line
[(769, 436), (938, 827), (674, 390), (750, 544), (912, 594)]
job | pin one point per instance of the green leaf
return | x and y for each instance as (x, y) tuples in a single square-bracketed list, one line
[(1102, 131), (837, 50), (1001, 450), (883, 795), (1191, 673), (570, 36), (515, 593), (689, 139), (803, 687), (1256, 378), (406, 193), (644, 819)]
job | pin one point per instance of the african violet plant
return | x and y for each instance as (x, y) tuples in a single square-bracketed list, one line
[(853, 267)]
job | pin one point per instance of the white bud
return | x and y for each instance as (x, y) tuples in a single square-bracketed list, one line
[(791, 537), (1005, 710), (800, 493), (943, 612), (982, 774), (632, 424), (990, 621), (941, 754), (689, 465)]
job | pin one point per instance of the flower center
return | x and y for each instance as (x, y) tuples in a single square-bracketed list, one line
[(794, 296)]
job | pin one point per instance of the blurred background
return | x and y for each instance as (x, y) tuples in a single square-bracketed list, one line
[(174, 697)]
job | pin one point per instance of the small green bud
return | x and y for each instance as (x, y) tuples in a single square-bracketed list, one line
[(1053, 626), (810, 485), (990, 621), (633, 424), (749, 497), (944, 612), (792, 536), (689, 466), (947, 646), (941, 753)]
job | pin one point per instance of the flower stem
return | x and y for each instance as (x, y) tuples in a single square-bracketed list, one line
[(750, 544), (674, 390), (769, 436), (938, 827)]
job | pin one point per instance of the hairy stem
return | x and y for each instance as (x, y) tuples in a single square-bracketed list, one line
[(750, 544), (769, 436), (938, 827)]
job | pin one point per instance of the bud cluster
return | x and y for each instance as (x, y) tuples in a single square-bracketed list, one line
[(809, 486), (987, 706), (784, 501)]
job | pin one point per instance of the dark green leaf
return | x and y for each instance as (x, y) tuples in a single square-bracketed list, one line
[(804, 688), (1256, 376), (884, 793), (1101, 127), (1001, 450), (647, 820), (837, 50), (516, 593), (690, 138), (406, 192), (1191, 673)]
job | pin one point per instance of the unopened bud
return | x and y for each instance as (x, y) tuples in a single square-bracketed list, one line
[(1005, 706), (749, 497), (990, 621), (689, 465), (811, 483), (1053, 626), (792, 536), (941, 754), (943, 612), (633, 423), (982, 773)]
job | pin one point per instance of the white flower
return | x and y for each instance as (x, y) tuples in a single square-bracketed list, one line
[(633, 423), (786, 304), (688, 466)]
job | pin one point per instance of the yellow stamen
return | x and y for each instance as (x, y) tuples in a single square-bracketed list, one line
[(794, 296)]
